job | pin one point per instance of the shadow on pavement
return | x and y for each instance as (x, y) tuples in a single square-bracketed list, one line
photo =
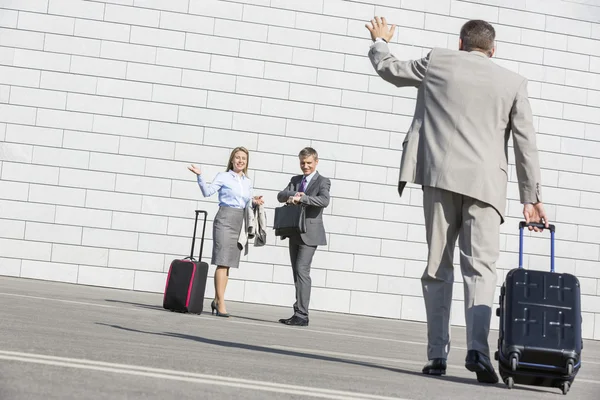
[(136, 304), (222, 343)]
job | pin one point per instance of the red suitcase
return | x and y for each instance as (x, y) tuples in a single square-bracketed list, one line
[(186, 281)]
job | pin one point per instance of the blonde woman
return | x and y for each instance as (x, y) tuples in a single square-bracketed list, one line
[(235, 192)]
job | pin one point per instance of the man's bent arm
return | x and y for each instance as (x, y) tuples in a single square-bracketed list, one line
[(394, 71), (320, 200)]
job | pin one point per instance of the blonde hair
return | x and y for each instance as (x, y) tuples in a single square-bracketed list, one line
[(232, 155)]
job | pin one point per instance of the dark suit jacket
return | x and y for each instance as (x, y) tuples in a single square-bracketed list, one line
[(316, 198)]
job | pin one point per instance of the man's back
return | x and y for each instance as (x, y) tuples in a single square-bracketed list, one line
[(465, 104), (466, 108)]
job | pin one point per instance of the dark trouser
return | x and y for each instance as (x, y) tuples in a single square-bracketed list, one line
[(301, 256)]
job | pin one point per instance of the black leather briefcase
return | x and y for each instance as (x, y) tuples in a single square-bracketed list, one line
[(290, 219)]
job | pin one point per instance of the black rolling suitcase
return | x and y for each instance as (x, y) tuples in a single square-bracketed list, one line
[(540, 325), (186, 281)]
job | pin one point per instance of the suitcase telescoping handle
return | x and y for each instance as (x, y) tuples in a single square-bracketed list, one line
[(552, 228), (198, 212)]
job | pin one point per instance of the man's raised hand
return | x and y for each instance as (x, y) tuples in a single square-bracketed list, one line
[(380, 29)]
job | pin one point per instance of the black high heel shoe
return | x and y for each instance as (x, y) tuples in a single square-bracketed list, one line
[(214, 309)]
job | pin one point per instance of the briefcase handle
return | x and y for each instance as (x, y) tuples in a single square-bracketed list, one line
[(552, 228)]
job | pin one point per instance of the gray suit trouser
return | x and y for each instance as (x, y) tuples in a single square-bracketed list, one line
[(449, 216), (301, 256)]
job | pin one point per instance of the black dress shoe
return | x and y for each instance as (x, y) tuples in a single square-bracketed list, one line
[(286, 320), (297, 321), (480, 364), (436, 366)]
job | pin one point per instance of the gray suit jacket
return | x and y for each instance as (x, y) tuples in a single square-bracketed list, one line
[(316, 198), (466, 108)]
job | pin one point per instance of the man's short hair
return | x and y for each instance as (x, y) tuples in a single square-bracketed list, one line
[(478, 35), (307, 152)]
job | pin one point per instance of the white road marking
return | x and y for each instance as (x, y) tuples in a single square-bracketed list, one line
[(190, 377), (60, 300)]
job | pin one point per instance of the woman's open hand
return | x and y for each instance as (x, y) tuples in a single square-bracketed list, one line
[(195, 169)]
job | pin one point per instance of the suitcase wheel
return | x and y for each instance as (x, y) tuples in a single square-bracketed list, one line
[(570, 367), (510, 382), (514, 362), (498, 312), (565, 387)]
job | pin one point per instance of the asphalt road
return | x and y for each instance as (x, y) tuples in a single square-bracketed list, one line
[(61, 341)]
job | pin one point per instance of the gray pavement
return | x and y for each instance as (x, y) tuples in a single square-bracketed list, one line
[(61, 341)]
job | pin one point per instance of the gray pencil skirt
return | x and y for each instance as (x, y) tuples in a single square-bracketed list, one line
[(226, 232)]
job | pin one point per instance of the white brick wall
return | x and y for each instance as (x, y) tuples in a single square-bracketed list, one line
[(104, 103)]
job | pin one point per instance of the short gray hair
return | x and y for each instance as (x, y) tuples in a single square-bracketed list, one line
[(307, 152), (478, 35)]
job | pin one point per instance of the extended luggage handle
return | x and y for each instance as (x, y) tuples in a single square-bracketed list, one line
[(551, 227), (198, 212)]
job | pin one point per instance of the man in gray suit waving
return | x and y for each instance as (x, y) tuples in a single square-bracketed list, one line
[(312, 190), (456, 149)]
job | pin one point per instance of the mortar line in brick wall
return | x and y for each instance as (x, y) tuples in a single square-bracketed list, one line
[(59, 170), (544, 59), (82, 229), (333, 16), (290, 64), (39, 85), (100, 229), (304, 84), (137, 247), (294, 101), (535, 12), (333, 124), (304, 30), (167, 216), (43, 50), (123, 99), (290, 155), (333, 215)]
